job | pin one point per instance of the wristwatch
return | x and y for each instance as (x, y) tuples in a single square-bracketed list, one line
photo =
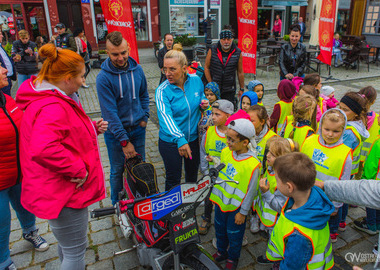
[(124, 143)]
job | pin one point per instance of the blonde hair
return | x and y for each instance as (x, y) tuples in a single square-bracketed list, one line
[(335, 116), (59, 64), (180, 56), (279, 146), (23, 33), (304, 108), (178, 47)]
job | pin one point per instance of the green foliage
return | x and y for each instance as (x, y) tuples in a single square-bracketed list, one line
[(286, 37), (185, 40), (102, 52), (8, 49)]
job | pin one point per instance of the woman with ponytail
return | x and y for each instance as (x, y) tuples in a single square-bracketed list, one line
[(59, 153)]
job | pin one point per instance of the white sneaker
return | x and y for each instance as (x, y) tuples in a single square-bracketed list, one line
[(245, 241), (254, 228), (214, 243)]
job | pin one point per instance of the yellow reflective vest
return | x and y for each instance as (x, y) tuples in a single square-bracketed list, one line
[(266, 214), (214, 143), (300, 133), (262, 144), (329, 161), (322, 257), (285, 110), (356, 151), (229, 196), (373, 132)]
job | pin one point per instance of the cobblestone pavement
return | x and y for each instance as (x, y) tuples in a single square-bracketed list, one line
[(104, 237)]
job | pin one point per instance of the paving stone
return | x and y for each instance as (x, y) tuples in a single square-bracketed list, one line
[(43, 227), (258, 249), (53, 265), (102, 265), (363, 247), (20, 246), (23, 259), (106, 251), (51, 253), (101, 224), (339, 243), (121, 261), (36, 267), (50, 238), (102, 237), (356, 213), (90, 256), (350, 235), (246, 259)]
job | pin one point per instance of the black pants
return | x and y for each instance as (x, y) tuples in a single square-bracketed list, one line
[(88, 69), (230, 96), (173, 163)]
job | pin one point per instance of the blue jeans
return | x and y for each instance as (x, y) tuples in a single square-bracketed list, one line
[(70, 229), (373, 216), (23, 77), (338, 56), (335, 220), (173, 163), (27, 220), (228, 233), (117, 157), (344, 212)]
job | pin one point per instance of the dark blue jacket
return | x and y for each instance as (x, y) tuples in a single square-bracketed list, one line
[(123, 97), (7, 89)]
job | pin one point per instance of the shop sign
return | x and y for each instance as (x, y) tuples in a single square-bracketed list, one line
[(85, 1), (12, 31), (188, 2), (10, 19), (215, 2), (11, 25)]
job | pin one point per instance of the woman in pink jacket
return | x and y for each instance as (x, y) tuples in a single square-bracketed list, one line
[(277, 26), (59, 152)]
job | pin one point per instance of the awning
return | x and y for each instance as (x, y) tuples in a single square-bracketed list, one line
[(284, 3)]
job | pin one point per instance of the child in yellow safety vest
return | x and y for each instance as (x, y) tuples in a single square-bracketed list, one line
[(371, 224), (233, 200), (212, 93), (286, 91), (269, 201), (212, 144), (354, 106), (304, 121), (372, 125), (315, 80), (257, 87), (300, 238), (332, 158)]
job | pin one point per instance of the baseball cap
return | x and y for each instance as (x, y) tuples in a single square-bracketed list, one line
[(60, 26), (243, 127), (224, 105)]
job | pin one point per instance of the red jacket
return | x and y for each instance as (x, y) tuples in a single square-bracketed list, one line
[(58, 143), (10, 119)]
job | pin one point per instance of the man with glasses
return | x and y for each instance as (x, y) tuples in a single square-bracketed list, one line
[(223, 60)]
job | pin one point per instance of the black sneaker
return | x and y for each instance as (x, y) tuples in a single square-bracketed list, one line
[(362, 225), (219, 257), (263, 260), (231, 265), (37, 241), (12, 266)]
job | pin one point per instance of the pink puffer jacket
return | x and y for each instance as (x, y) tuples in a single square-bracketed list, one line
[(58, 142)]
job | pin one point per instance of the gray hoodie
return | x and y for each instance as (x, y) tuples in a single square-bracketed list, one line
[(276, 200)]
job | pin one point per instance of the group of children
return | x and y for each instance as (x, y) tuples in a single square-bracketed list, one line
[(277, 160)]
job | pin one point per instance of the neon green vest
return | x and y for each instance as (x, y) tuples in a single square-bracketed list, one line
[(229, 196), (378, 167), (214, 143), (329, 161), (266, 214), (320, 104), (285, 110), (373, 132), (322, 257), (260, 103), (356, 151), (262, 144), (300, 133)]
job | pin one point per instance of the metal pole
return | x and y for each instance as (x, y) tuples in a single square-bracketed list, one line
[(209, 39)]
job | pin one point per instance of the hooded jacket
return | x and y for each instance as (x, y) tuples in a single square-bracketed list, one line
[(252, 97), (314, 214), (10, 120), (123, 97), (286, 91), (251, 87), (349, 137), (58, 142), (178, 110)]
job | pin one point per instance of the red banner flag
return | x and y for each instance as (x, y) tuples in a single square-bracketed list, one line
[(326, 30), (247, 24), (118, 16)]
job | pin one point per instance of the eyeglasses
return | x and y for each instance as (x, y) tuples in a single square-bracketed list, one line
[(170, 71), (232, 141)]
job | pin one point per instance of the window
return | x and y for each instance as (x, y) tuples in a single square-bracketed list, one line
[(371, 21)]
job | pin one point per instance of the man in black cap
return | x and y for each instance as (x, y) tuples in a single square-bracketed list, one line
[(64, 39), (223, 60)]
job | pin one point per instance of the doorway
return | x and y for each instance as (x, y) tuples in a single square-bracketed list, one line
[(70, 13), (35, 16)]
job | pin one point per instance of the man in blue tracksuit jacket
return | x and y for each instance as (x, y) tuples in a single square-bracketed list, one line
[(124, 102)]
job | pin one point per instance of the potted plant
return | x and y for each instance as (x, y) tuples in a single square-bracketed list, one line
[(187, 43)]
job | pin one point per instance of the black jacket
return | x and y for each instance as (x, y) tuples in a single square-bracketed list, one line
[(66, 41), (28, 63), (160, 57), (224, 74), (292, 60)]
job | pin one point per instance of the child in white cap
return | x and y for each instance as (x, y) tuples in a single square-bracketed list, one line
[(327, 93), (233, 201)]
